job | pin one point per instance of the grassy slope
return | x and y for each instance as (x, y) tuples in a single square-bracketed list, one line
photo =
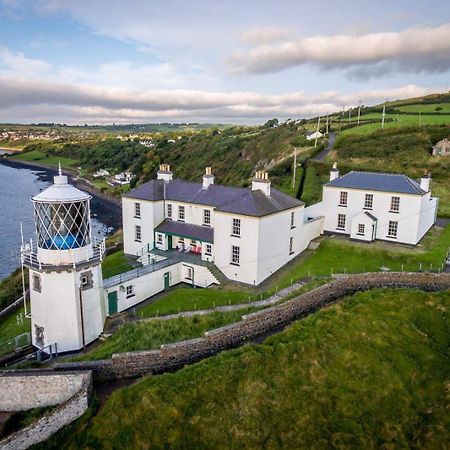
[(115, 263), (51, 160), (369, 372), (10, 328)]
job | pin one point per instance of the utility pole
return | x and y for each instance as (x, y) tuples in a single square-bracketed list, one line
[(327, 124), (294, 174), (382, 115), (359, 111), (349, 115), (420, 118), (317, 132)]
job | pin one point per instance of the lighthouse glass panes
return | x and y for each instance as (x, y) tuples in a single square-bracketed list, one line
[(62, 226)]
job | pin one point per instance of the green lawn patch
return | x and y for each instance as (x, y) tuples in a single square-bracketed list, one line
[(368, 372), (48, 159), (10, 327), (115, 263)]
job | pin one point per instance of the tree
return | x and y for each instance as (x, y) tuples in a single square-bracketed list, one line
[(438, 109), (271, 123)]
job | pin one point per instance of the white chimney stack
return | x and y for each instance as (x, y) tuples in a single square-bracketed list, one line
[(261, 182), (334, 172), (425, 181), (208, 178), (164, 173)]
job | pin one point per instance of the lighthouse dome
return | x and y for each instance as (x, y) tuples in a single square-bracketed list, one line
[(61, 191)]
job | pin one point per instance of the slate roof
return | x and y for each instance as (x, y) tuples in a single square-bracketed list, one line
[(187, 230), (371, 216), (224, 198), (398, 183)]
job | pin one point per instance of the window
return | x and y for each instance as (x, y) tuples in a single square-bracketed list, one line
[(208, 250), (291, 245), (137, 233), (341, 222), (395, 204), (36, 283), (343, 198), (190, 273), (361, 229), (181, 213), (159, 238), (137, 210), (392, 230), (206, 217), (169, 210), (236, 228), (235, 253), (368, 201), (292, 219), (130, 291), (86, 280)]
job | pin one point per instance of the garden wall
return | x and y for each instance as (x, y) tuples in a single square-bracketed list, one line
[(174, 356)]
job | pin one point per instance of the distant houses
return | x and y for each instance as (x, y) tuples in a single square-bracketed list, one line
[(442, 148), (101, 173), (311, 136)]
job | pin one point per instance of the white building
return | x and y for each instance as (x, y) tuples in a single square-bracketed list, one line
[(368, 206), (314, 135), (249, 233), (66, 284)]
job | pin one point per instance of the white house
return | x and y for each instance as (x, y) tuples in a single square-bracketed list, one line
[(314, 135), (442, 148), (368, 206), (249, 233)]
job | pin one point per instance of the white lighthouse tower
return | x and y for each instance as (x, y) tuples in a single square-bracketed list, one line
[(66, 285)]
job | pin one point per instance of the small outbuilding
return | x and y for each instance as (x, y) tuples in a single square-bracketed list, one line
[(442, 148)]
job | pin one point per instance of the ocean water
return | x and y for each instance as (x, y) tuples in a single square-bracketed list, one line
[(17, 186)]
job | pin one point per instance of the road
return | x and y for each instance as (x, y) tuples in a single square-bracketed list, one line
[(323, 153)]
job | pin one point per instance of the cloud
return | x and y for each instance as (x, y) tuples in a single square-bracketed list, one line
[(423, 49), (265, 35), (28, 100)]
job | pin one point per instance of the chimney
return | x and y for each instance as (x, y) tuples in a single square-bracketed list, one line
[(261, 182), (208, 178), (164, 173), (425, 181), (334, 172)]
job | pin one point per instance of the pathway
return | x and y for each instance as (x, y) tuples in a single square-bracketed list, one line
[(323, 153)]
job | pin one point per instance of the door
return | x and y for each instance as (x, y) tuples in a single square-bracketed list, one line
[(169, 242), (112, 302), (167, 280)]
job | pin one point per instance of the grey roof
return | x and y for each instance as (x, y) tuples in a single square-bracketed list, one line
[(387, 182), (371, 216), (187, 230), (223, 198)]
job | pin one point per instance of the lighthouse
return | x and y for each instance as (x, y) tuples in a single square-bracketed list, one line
[(68, 310)]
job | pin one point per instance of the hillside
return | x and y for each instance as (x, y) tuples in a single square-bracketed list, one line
[(368, 372)]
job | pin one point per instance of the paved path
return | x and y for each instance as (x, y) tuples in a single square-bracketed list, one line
[(323, 153), (259, 303)]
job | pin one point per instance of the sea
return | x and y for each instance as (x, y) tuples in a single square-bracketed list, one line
[(17, 186)]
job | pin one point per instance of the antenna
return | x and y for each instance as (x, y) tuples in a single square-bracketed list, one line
[(59, 168)]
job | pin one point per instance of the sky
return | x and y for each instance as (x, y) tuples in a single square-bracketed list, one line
[(141, 61)]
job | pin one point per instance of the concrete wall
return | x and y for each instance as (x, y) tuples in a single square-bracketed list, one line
[(174, 356), (26, 390)]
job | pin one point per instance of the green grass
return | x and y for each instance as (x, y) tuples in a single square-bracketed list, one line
[(51, 160), (114, 264), (425, 107), (368, 372), (9, 329), (151, 335)]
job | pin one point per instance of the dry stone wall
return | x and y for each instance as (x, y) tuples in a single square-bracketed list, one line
[(173, 356)]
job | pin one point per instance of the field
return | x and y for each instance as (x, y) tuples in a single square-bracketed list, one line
[(368, 372), (426, 108), (49, 160)]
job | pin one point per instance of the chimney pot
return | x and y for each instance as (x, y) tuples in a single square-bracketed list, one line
[(164, 173), (208, 178), (334, 172), (425, 181), (261, 182)]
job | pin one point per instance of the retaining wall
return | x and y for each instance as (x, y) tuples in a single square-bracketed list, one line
[(173, 356), (24, 390)]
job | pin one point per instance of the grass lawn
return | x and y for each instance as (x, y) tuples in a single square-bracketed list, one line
[(37, 156), (115, 263), (425, 107), (151, 335), (9, 329), (368, 372)]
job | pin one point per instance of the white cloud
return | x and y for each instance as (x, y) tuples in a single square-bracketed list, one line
[(415, 49), (265, 35)]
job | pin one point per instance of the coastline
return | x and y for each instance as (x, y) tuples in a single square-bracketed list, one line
[(106, 208)]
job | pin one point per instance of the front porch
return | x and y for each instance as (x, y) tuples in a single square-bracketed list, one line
[(187, 240)]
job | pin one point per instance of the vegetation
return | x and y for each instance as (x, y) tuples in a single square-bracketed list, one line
[(11, 288), (368, 372), (22, 419), (115, 263), (11, 326)]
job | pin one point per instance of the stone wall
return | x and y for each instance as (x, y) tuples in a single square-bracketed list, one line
[(174, 356), (43, 389)]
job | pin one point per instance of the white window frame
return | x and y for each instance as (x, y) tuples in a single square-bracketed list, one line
[(342, 219), (395, 204), (207, 217), (137, 233), (181, 213), (361, 229), (235, 255), (208, 249), (343, 198), (368, 201), (37, 282), (292, 219), (137, 210), (169, 210), (291, 245), (159, 238), (190, 273), (392, 229), (129, 291), (236, 227)]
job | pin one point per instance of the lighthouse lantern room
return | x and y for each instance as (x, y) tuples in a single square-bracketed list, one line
[(66, 286)]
